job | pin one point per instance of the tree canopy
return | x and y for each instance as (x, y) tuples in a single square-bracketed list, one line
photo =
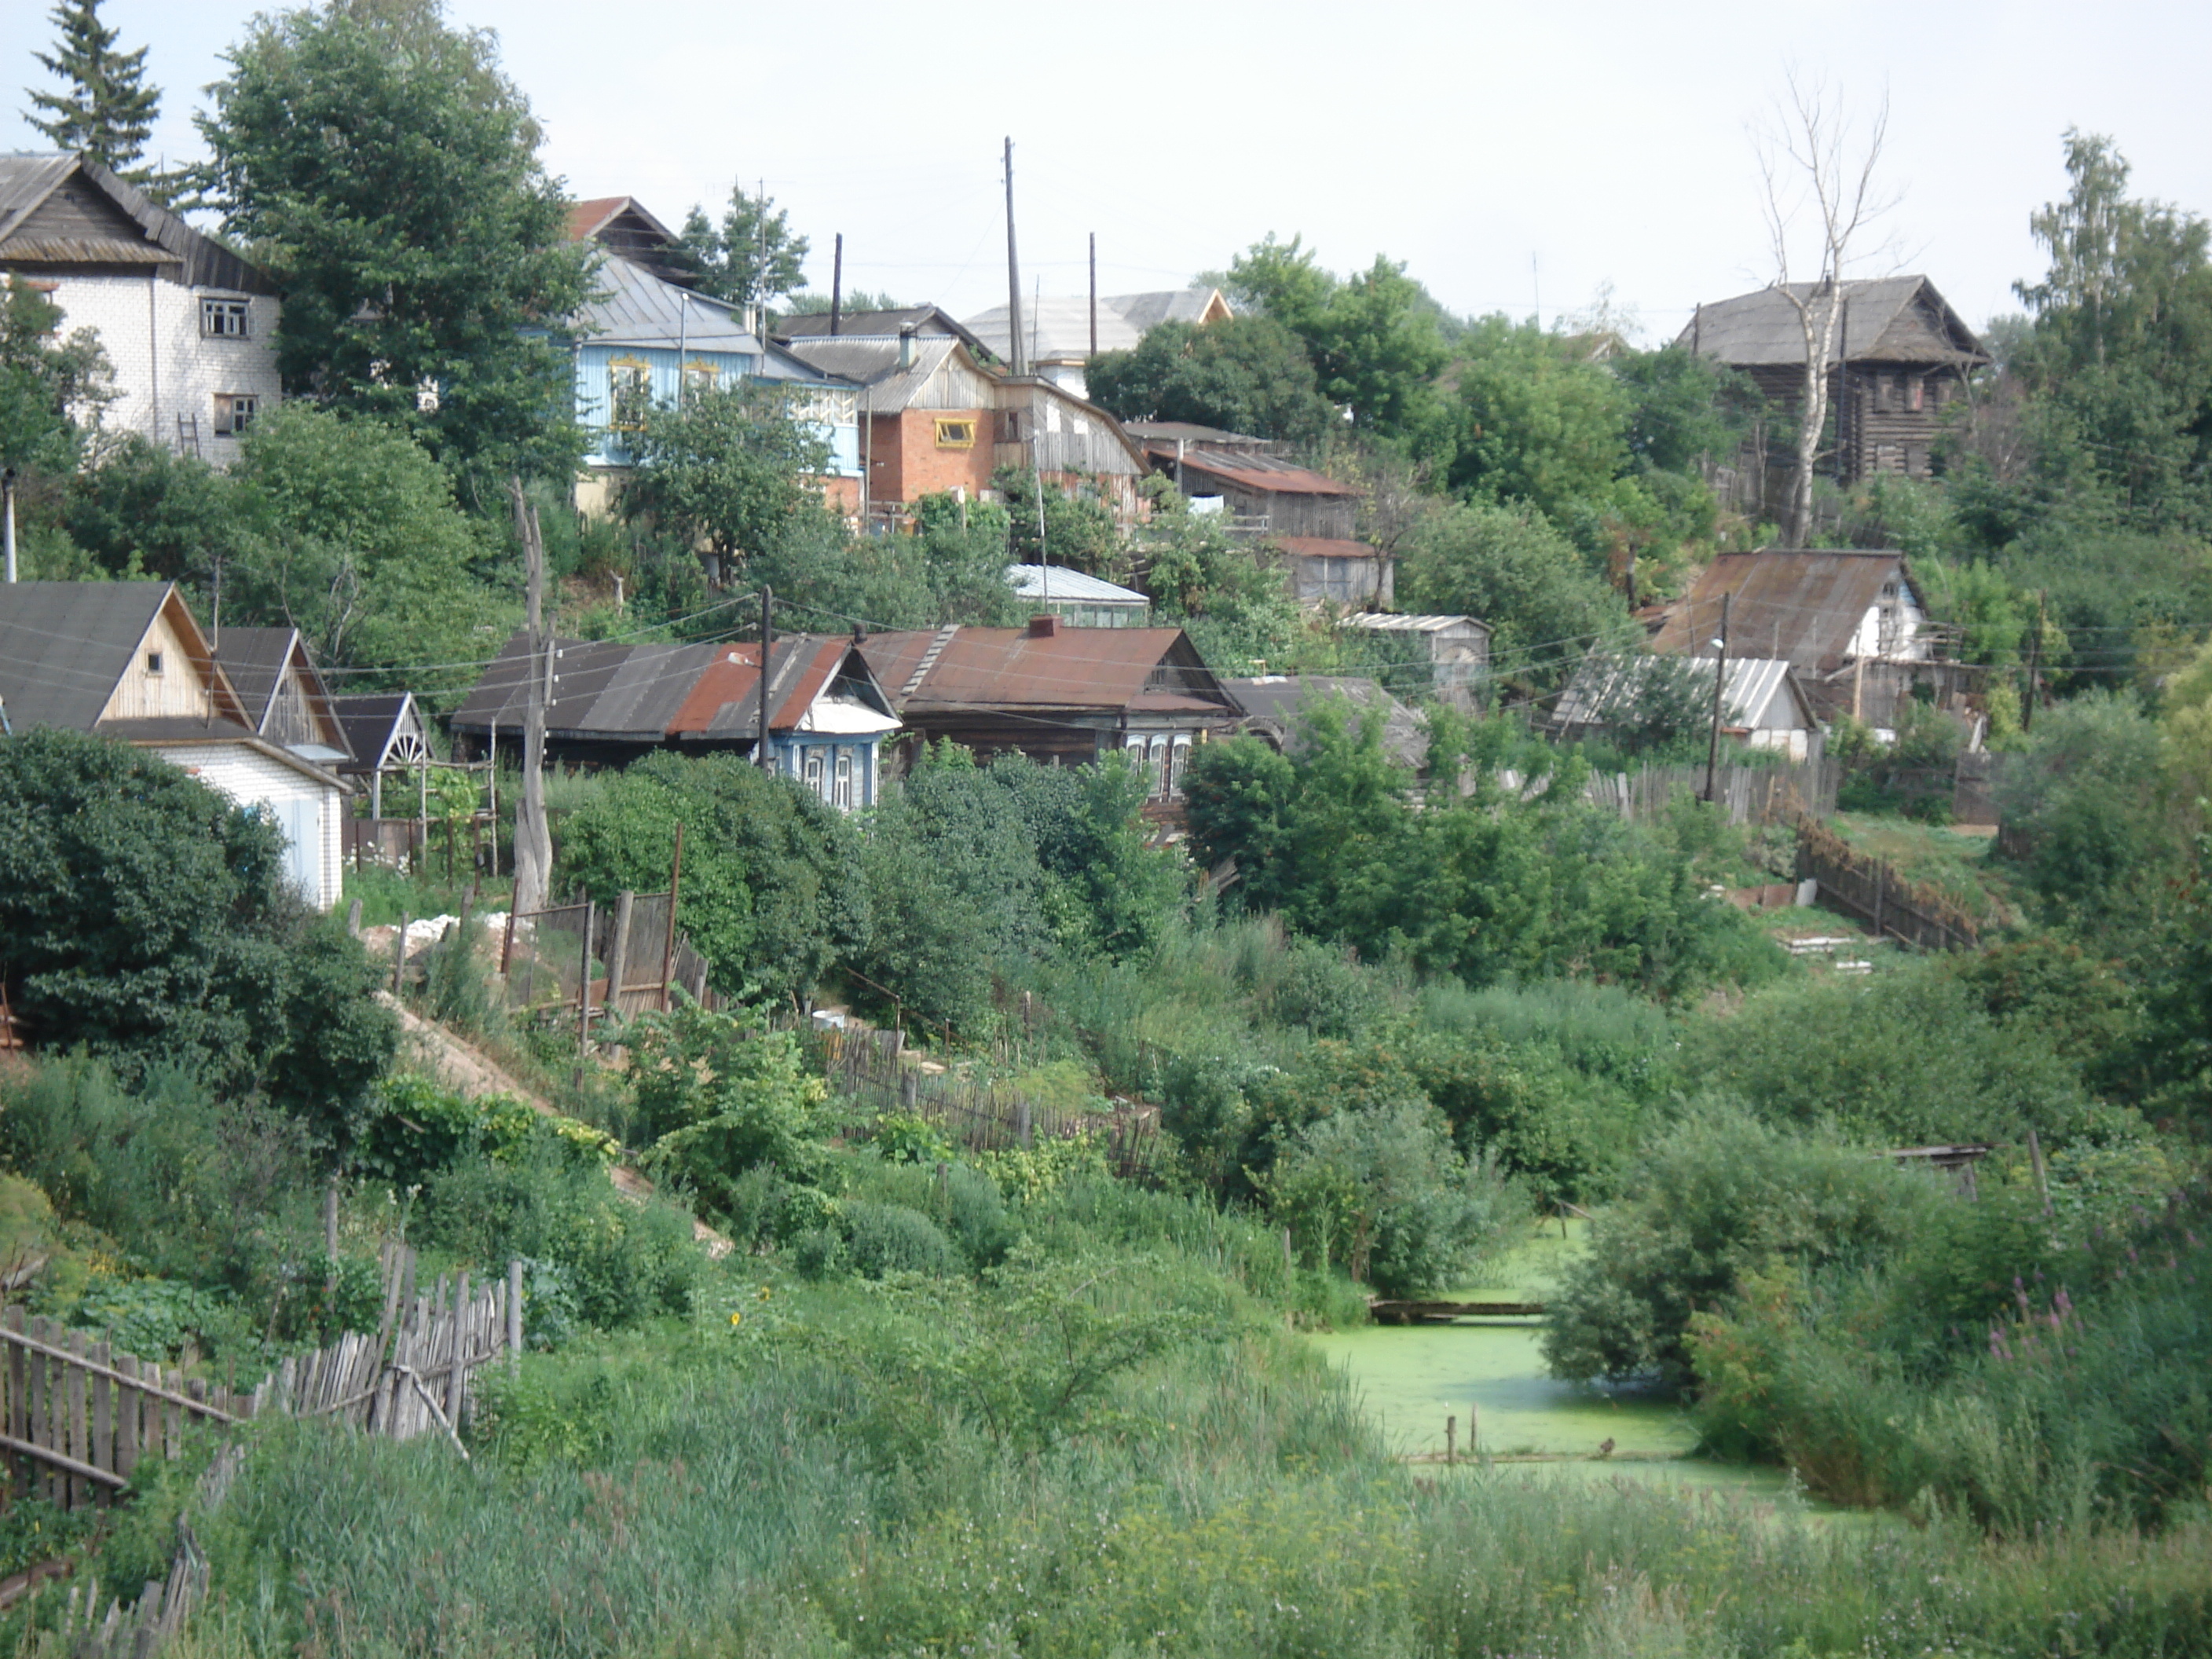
[(752, 257), (105, 110), (1247, 374), (384, 169)]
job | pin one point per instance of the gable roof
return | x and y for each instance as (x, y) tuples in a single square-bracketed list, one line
[(873, 360), (257, 658), (66, 211), (1891, 320), (649, 693), (65, 646), (371, 720), (1758, 694), (1275, 704), (925, 321), (1059, 328), (636, 307), (1057, 582), (1080, 670), (1803, 607)]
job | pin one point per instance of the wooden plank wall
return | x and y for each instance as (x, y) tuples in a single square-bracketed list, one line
[(1866, 888)]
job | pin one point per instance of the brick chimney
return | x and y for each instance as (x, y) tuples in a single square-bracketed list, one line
[(1043, 627)]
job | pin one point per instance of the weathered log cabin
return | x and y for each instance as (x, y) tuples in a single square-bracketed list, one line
[(1901, 357)]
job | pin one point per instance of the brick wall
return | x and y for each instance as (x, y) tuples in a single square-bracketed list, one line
[(910, 463), (164, 366)]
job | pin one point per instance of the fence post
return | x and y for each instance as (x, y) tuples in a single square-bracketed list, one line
[(619, 952), (584, 986), (399, 955), (514, 1310)]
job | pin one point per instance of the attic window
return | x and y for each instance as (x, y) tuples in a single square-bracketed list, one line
[(223, 319), (956, 434), (153, 662)]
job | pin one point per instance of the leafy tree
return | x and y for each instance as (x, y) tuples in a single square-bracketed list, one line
[(1520, 575), (45, 383), (1114, 889), (724, 467), (1247, 373), (2088, 797), (719, 1099), (1080, 532), (385, 171), (148, 510), (1541, 423), (148, 919), (105, 110), (364, 549), (773, 886), (1682, 407), (1237, 608), (752, 258)]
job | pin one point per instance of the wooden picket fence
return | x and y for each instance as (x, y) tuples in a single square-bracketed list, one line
[(1865, 887)]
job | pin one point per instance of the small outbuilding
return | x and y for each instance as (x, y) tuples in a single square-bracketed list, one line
[(1078, 599), (1762, 702)]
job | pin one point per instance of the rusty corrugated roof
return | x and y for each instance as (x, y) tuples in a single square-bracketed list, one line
[(1324, 547), (1263, 473), (1106, 670), (1802, 607)]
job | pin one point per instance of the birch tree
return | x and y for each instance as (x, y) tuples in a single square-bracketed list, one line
[(1819, 193)]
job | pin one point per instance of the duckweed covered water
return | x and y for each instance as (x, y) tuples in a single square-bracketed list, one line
[(1411, 1378)]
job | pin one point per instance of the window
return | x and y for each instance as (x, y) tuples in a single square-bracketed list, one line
[(1915, 392), (630, 392), (956, 434), (843, 800), (700, 375), (814, 774), (1178, 763), (234, 412), (153, 662), (1157, 766), (223, 319)]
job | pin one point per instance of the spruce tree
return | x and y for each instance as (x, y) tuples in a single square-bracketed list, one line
[(105, 109)]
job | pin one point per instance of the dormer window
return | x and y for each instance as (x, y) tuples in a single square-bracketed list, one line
[(223, 319)]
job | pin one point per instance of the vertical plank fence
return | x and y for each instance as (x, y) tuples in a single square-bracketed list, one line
[(1859, 885)]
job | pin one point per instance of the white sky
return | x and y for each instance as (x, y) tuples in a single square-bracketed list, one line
[(1606, 141)]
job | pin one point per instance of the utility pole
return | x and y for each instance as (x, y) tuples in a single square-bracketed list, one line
[(533, 844), (1094, 293), (1720, 683), (1014, 360), (837, 285), (2034, 659), (768, 626), (8, 492)]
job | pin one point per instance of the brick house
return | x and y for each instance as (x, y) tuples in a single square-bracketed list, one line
[(188, 326)]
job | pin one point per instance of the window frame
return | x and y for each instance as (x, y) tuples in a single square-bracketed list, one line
[(629, 394), (216, 308), (841, 773), (228, 406), (955, 431)]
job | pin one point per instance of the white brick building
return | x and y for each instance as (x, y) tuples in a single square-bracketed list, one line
[(190, 327)]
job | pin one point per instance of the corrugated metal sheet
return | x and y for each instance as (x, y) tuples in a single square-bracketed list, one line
[(1384, 623), (927, 322), (1103, 669), (1275, 703), (1893, 319), (636, 307), (1057, 329), (1029, 583), (1265, 474), (1802, 607), (1760, 694)]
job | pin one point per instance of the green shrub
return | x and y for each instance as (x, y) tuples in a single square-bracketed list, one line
[(720, 1098), (889, 1238)]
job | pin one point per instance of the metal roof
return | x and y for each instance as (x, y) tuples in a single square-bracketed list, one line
[(28, 181), (648, 693), (587, 219), (1057, 329), (873, 360), (927, 322), (1325, 547), (1162, 436), (1890, 318), (1803, 607), (1275, 702), (1101, 670), (1760, 693), (1265, 474), (636, 307), (1029, 582), (1386, 623)]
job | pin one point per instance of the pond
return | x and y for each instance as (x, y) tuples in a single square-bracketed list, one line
[(1411, 1378)]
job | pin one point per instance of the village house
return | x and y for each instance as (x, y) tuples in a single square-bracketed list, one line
[(189, 327), (934, 419), (612, 702), (646, 339), (1309, 516), (388, 735), (1849, 621), (1277, 706), (126, 660), (925, 321), (285, 699), (1762, 702), (1901, 357), (1064, 696), (1059, 339)]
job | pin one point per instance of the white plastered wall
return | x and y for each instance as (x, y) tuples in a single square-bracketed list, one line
[(164, 366), (251, 778)]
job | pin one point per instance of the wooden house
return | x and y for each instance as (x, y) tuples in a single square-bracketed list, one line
[(386, 733), (924, 321), (1901, 357), (286, 701), (1309, 516), (1057, 331), (1457, 649), (1063, 696), (613, 701), (189, 327), (127, 660), (1849, 621), (645, 339)]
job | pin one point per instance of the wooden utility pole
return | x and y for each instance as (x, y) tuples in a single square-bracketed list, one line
[(1014, 359), (837, 285), (768, 639), (1720, 684), (2034, 659), (533, 843), (1094, 293)]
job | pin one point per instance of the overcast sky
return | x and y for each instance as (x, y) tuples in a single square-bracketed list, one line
[(1511, 156)]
